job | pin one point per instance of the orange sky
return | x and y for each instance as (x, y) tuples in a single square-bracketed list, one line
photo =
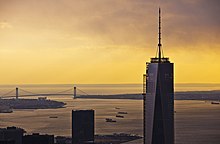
[(106, 41)]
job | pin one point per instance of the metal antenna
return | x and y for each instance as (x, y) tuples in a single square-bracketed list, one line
[(159, 44)]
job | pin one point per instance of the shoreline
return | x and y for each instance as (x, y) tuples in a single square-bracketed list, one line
[(186, 95)]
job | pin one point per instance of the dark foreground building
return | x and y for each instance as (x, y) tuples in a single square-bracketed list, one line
[(7, 142), (11, 135), (36, 138), (159, 99), (82, 126)]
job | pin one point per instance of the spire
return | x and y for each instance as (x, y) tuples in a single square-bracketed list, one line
[(159, 44), (159, 58)]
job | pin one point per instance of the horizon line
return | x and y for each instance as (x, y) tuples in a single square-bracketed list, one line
[(181, 83)]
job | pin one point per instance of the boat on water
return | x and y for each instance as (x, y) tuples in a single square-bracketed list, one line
[(215, 102), (122, 113), (117, 108), (109, 120), (120, 116), (53, 117)]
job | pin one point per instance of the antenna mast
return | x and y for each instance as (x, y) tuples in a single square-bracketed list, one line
[(159, 44)]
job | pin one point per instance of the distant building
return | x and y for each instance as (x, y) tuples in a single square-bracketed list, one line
[(63, 140), (11, 135), (36, 138), (159, 99), (82, 126)]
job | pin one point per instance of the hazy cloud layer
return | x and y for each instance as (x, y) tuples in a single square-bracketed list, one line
[(110, 39), (118, 22)]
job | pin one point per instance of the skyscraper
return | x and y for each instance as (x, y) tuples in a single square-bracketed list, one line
[(159, 99), (82, 126)]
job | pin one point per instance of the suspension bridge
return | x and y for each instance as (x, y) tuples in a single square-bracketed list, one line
[(16, 93)]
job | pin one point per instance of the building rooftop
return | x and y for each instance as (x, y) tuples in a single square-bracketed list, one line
[(82, 110), (163, 60)]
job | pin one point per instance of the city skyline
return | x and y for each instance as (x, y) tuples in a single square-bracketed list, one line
[(105, 41)]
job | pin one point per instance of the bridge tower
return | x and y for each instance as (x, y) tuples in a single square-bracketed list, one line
[(17, 93), (74, 92)]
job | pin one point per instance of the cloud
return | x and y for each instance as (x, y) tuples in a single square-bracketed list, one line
[(5, 25), (109, 32), (194, 23), (118, 22)]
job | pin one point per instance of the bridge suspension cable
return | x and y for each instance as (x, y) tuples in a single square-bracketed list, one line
[(82, 91), (64, 91), (4, 95), (28, 92)]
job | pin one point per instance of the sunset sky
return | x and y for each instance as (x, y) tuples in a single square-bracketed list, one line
[(106, 41)]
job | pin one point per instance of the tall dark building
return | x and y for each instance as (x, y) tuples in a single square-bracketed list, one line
[(159, 99), (82, 126)]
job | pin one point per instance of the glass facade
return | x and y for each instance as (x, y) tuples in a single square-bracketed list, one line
[(159, 103)]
